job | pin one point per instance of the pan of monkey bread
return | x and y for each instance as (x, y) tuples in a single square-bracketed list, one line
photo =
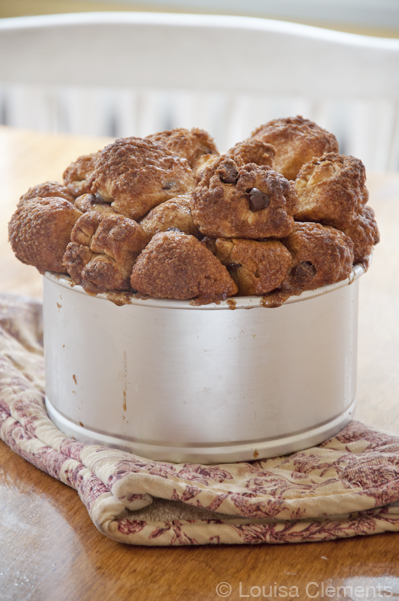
[(202, 306)]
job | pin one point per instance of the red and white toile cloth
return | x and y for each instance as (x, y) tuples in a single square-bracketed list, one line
[(345, 487)]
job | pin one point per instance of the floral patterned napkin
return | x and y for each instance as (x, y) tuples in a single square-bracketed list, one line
[(345, 487)]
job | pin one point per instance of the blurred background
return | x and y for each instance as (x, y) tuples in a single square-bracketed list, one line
[(368, 130), (368, 17)]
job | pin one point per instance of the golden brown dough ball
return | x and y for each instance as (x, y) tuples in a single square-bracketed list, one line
[(257, 267), (176, 265), (49, 189), (76, 174), (174, 213), (207, 162), (102, 251), (331, 190), (135, 175), (243, 202), (364, 233), (195, 145), (321, 256), (90, 202), (296, 141), (253, 151), (40, 230)]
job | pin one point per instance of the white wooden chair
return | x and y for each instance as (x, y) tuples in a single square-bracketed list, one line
[(136, 73)]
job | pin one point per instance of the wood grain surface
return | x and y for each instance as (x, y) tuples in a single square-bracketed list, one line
[(50, 549)]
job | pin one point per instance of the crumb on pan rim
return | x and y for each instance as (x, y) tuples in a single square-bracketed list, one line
[(236, 302)]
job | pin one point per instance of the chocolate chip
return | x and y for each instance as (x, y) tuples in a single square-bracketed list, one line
[(168, 185), (258, 200), (304, 271), (233, 266), (229, 175)]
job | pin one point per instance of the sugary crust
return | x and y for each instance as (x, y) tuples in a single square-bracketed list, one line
[(174, 213), (40, 230), (257, 267), (135, 175), (49, 189), (103, 250), (195, 145), (321, 256), (176, 265), (364, 233), (76, 257), (296, 141), (331, 190), (264, 235), (223, 202), (76, 175), (253, 151), (202, 164), (90, 202)]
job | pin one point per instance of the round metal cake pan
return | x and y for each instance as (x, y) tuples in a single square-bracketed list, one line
[(206, 384)]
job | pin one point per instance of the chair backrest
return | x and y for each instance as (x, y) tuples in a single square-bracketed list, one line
[(137, 73)]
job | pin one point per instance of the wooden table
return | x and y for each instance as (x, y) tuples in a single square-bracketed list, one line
[(49, 548)]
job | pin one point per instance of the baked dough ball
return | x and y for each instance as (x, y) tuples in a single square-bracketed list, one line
[(321, 255), (253, 151), (243, 202), (296, 141), (363, 231), (257, 267), (176, 265), (195, 145), (102, 251), (174, 213), (40, 230), (90, 202), (331, 190), (47, 190), (76, 175), (135, 175)]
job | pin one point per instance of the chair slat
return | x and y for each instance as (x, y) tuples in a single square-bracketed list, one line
[(366, 129)]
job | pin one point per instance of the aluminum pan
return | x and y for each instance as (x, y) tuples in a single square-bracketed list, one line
[(185, 385)]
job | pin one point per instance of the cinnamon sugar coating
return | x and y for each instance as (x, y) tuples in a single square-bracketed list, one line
[(49, 189), (257, 267), (296, 141), (103, 250), (364, 233), (40, 230), (195, 145), (134, 175), (265, 235), (90, 202), (253, 151), (174, 213), (207, 161), (321, 256), (248, 201), (331, 190), (176, 265), (76, 174)]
